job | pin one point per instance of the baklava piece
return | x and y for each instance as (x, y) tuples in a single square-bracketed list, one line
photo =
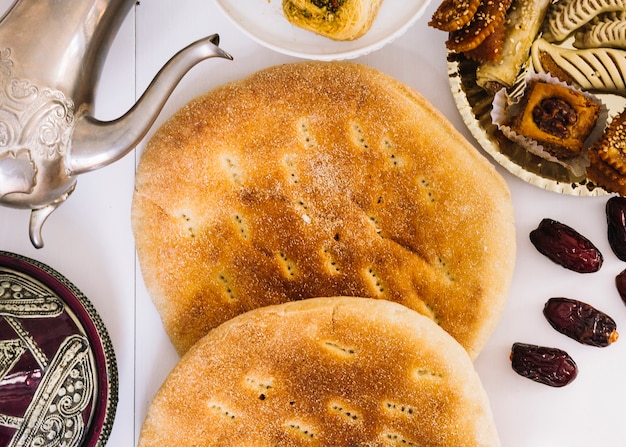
[(557, 117)]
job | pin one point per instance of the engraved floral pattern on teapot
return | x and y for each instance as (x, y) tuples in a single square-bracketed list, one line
[(35, 123)]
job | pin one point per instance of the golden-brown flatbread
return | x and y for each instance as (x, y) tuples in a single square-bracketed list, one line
[(320, 179), (323, 372)]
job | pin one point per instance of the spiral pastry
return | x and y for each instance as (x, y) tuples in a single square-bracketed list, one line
[(337, 20)]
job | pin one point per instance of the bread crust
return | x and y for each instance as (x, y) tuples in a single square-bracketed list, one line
[(323, 372), (320, 179)]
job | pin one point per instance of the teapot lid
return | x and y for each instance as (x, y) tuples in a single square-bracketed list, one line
[(58, 373)]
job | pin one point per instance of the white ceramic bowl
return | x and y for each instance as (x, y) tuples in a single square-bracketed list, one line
[(264, 22)]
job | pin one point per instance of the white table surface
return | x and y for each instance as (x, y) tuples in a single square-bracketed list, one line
[(89, 239)]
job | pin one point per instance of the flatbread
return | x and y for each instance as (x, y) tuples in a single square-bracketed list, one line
[(320, 179), (323, 372)]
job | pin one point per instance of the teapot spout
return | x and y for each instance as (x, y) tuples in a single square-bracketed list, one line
[(95, 143)]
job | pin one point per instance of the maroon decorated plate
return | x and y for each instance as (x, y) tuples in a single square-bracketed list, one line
[(58, 374)]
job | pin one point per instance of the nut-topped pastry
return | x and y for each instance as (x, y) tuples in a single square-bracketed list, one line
[(551, 119), (608, 157), (557, 117)]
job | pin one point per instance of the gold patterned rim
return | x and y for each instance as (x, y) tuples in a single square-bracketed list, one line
[(57, 350)]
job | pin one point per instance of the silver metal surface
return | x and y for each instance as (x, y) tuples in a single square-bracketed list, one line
[(51, 56)]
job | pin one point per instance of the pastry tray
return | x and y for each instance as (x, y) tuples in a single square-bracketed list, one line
[(475, 105)]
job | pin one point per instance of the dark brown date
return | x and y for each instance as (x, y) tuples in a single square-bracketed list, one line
[(616, 225), (581, 321), (550, 366), (620, 284), (566, 247)]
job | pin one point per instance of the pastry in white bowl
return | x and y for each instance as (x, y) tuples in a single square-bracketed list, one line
[(335, 19)]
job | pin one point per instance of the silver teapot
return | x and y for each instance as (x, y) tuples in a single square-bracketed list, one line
[(51, 55)]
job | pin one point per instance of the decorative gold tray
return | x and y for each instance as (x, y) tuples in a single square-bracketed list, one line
[(474, 104)]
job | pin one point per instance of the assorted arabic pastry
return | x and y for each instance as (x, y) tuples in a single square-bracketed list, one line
[(335, 19), (452, 15), (581, 44), (522, 25), (487, 19), (594, 69), (499, 34), (606, 30)]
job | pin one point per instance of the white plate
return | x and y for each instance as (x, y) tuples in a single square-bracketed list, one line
[(263, 21)]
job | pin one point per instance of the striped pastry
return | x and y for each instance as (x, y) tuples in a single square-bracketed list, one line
[(595, 69), (607, 30), (569, 15)]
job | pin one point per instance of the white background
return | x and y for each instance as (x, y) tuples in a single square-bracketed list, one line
[(89, 240)]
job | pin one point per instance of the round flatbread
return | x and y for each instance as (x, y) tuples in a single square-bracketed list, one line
[(320, 179), (323, 372)]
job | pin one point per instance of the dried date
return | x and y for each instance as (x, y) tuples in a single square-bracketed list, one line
[(616, 225), (550, 366), (581, 321), (566, 247), (620, 284)]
